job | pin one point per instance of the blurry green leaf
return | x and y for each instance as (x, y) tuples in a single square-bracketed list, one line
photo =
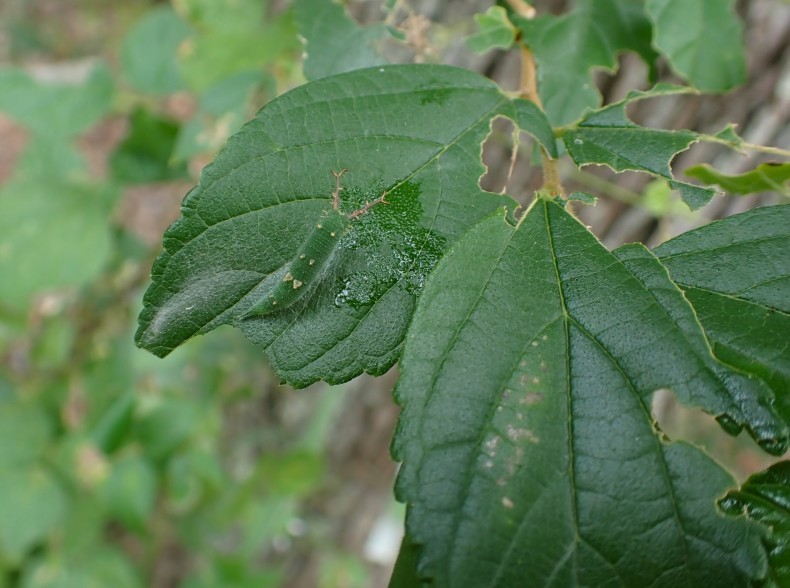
[(729, 135), (765, 497), (262, 194), (495, 31), (192, 477), (335, 43), (583, 197), (736, 274), (56, 110), (145, 154), (25, 432), (129, 492), (608, 137), (289, 475), (52, 235), (221, 49), (54, 343), (765, 177), (32, 504), (556, 434), (148, 53), (340, 569), (166, 426), (228, 15), (99, 567), (115, 424), (229, 571), (568, 47), (703, 40), (221, 111)]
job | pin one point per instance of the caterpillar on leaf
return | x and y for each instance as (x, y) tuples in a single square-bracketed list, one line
[(313, 256)]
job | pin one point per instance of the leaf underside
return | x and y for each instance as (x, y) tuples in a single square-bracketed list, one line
[(526, 384)]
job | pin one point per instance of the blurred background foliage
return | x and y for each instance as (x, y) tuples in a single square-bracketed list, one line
[(120, 469)]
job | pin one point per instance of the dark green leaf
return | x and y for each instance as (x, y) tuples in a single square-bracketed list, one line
[(736, 274), (765, 497), (526, 387), (765, 177), (335, 43), (703, 40), (413, 130), (568, 47), (145, 154), (608, 137)]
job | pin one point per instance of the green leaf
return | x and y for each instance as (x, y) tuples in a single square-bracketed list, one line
[(526, 385), (703, 40), (334, 42), (25, 432), (240, 38), (31, 505), (765, 497), (40, 213), (412, 130), (221, 111), (56, 111), (99, 568), (608, 137), (568, 47), (765, 177), (129, 491), (148, 52), (145, 154), (495, 31), (736, 274)]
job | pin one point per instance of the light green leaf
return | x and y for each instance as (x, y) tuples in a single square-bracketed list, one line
[(31, 505), (736, 274), (412, 130), (129, 491), (765, 497), (56, 110), (234, 43), (335, 43), (608, 137), (526, 385), (52, 235), (25, 432), (764, 178), (221, 111), (98, 568), (703, 40), (494, 31), (148, 52), (568, 47)]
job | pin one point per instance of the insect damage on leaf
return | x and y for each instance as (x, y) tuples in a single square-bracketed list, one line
[(314, 255)]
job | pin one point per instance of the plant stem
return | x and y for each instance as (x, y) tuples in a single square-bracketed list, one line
[(529, 90)]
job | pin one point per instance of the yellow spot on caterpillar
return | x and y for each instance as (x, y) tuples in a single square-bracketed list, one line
[(297, 284), (312, 261), (288, 277)]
